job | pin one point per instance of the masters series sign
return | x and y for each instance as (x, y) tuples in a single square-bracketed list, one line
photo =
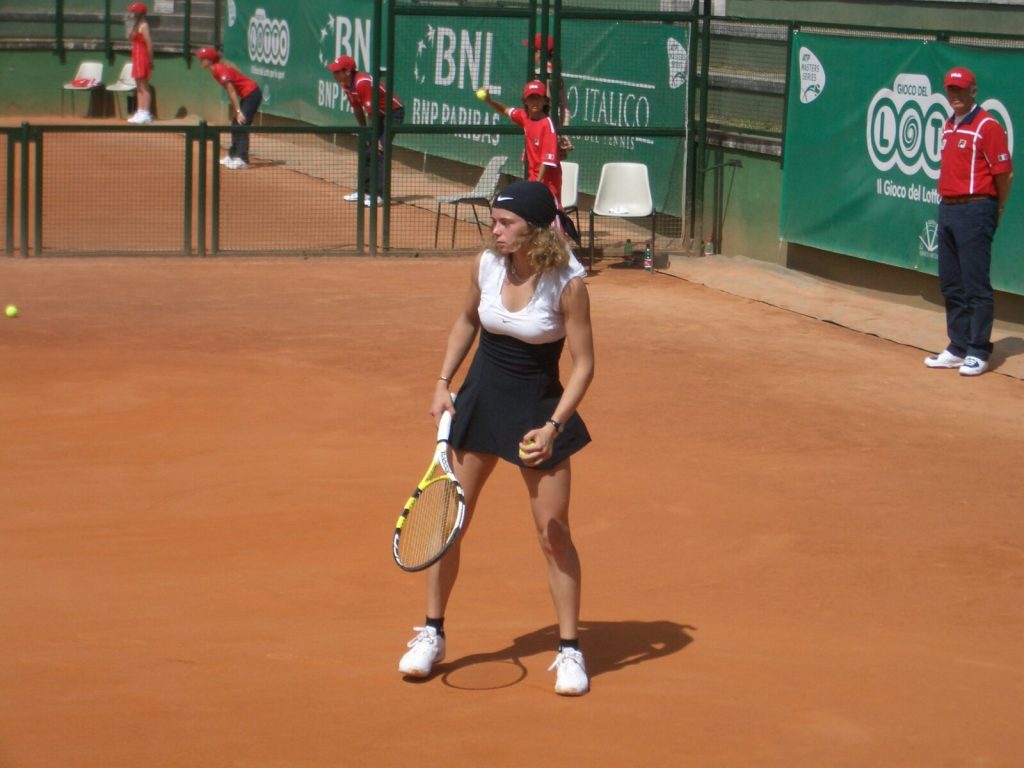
[(863, 143)]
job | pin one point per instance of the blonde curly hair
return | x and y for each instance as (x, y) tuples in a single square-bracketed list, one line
[(548, 248)]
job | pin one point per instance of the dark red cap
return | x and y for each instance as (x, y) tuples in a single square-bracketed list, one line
[(959, 77), (210, 54), (535, 88), (342, 62)]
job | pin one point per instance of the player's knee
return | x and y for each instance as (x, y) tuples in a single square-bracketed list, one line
[(555, 539)]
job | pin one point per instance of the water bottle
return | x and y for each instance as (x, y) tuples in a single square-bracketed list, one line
[(627, 251), (649, 260), (709, 247)]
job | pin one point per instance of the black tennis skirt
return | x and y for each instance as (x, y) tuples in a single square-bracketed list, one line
[(511, 388)]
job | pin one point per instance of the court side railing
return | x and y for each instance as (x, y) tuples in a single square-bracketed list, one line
[(160, 189)]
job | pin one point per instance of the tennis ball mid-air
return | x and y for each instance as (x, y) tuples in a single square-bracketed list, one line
[(12, 311), (482, 94)]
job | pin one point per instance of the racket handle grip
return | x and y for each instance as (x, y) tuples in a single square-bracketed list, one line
[(444, 426)]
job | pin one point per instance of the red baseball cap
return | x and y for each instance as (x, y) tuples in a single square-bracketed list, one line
[(210, 54), (959, 77), (537, 39), (137, 8), (535, 88), (342, 62)]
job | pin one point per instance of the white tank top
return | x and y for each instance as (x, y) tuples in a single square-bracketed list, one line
[(541, 320)]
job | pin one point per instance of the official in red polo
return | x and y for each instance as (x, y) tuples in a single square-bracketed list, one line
[(974, 182)]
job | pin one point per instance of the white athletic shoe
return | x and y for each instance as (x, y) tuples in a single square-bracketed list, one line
[(425, 650), (368, 201), (353, 198), (571, 676), (237, 164), (973, 366), (945, 359), (226, 160), (143, 117)]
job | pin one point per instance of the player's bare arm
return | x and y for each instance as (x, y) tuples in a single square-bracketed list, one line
[(579, 336), (460, 340)]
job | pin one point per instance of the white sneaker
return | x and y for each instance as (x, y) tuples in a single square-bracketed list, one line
[(945, 359), (425, 650), (237, 164), (973, 366), (226, 160), (136, 118), (368, 201), (353, 198), (571, 678), (143, 117)]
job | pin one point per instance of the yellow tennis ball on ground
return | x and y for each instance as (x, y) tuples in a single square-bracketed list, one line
[(482, 94), (12, 311)]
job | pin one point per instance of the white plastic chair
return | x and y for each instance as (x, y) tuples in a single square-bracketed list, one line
[(88, 77), (624, 191), (571, 190), (482, 194), (125, 83)]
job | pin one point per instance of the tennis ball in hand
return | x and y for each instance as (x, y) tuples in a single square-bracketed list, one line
[(523, 454), (12, 311), (482, 94)]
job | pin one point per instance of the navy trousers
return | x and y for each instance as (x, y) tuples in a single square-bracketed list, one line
[(240, 139), (965, 258)]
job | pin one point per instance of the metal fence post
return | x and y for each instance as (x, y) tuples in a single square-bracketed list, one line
[(23, 208), (186, 244), (201, 191), (58, 30), (9, 196), (215, 197), (186, 33), (108, 46), (37, 223)]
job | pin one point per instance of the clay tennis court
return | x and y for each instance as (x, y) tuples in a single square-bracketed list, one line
[(800, 546)]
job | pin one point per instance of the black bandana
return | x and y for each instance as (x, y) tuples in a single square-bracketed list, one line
[(529, 199)]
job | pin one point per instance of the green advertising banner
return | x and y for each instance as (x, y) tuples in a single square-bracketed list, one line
[(441, 61), (863, 129)]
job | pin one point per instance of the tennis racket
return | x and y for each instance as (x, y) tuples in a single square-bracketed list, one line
[(434, 515)]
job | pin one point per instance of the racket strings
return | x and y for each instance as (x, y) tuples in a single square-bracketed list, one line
[(430, 522)]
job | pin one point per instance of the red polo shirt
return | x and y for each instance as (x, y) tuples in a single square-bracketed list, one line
[(541, 149), (360, 94), (224, 74), (972, 153)]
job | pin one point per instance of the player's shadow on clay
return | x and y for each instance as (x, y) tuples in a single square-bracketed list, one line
[(608, 646), (1004, 349)]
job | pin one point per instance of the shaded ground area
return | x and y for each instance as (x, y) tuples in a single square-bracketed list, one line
[(801, 547)]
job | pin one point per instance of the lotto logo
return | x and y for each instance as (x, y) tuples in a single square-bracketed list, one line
[(904, 126), (269, 39)]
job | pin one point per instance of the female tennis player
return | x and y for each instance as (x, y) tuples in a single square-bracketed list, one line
[(245, 97), (526, 299), (142, 63)]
